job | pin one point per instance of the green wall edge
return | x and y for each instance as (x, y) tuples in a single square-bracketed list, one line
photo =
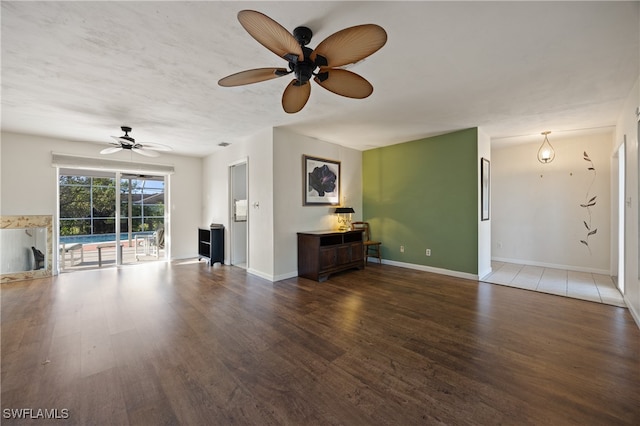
[(423, 195)]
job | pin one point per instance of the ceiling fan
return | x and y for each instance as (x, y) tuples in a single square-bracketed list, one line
[(127, 142), (345, 47)]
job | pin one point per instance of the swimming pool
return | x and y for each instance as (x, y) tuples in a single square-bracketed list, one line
[(98, 238)]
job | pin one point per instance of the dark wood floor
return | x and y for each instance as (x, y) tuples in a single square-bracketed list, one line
[(186, 343)]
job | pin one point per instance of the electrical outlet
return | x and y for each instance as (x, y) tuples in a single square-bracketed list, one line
[(428, 252), (401, 249)]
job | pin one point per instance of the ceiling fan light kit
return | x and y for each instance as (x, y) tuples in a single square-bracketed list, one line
[(323, 64)]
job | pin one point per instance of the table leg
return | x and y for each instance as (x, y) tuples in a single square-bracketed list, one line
[(62, 258)]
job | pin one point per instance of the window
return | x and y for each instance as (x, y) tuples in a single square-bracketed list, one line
[(142, 200), (87, 205)]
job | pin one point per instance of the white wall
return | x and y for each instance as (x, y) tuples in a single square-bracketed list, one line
[(29, 186), (275, 183), (484, 227), (258, 151), (628, 126), (536, 214), (290, 216)]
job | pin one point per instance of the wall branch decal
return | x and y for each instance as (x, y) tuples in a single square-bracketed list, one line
[(588, 203)]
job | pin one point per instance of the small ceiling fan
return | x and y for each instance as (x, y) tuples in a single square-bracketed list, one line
[(127, 142), (345, 47)]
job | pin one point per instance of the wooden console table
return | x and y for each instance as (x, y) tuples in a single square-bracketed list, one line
[(323, 253)]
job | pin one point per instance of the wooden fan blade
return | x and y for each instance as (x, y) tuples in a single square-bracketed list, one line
[(345, 83), (269, 33), (350, 45), (251, 76), (155, 147), (145, 152), (295, 97), (111, 150)]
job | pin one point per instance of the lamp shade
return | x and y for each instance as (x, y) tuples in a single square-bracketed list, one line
[(344, 210)]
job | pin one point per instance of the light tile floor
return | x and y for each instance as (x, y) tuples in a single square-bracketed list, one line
[(579, 285)]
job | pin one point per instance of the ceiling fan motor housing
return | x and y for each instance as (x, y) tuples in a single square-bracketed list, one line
[(303, 70), (126, 130), (302, 35)]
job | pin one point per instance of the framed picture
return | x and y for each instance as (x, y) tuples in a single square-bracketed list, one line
[(321, 182), (485, 185)]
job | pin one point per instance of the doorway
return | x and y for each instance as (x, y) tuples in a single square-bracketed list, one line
[(142, 217), (108, 219), (621, 214), (239, 214)]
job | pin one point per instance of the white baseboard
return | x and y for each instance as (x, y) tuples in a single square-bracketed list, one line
[(485, 273), (260, 274), (424, 268), (632, 310), (552, 265), (285, 276), (272, 278)]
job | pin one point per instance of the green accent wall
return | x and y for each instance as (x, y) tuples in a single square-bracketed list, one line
[(424, 195)]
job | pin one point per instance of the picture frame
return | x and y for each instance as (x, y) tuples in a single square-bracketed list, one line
[(321, 181), (485, 188)]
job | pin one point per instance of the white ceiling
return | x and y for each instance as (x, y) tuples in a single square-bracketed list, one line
[(80, 70)]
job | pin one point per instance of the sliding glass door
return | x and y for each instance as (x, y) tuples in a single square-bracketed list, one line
[(91, 206), (142, 216)]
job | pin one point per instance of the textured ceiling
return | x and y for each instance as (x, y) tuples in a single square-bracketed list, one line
[(80, 70)]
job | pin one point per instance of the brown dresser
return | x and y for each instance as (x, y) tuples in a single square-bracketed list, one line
[(322, 253)]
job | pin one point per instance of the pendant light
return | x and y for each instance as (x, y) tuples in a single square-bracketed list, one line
[(546, 154)]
